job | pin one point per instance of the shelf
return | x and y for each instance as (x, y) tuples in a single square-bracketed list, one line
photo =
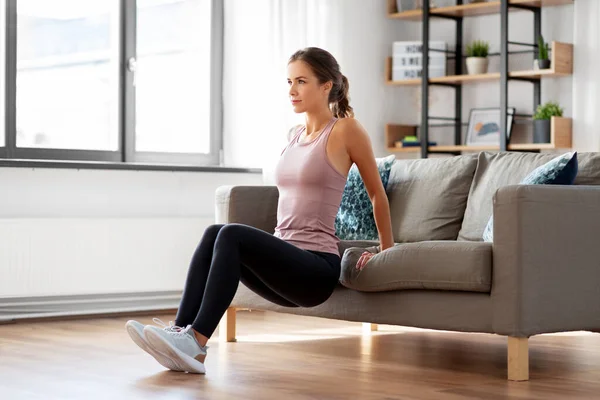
[(560, 138), (433, 149), (520, 146), (470, 10), (561, 65), (404, 149), (492, 76), (447, 149), (460, 79), (396, 132)]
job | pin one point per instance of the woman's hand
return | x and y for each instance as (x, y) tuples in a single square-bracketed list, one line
[(364, 258)]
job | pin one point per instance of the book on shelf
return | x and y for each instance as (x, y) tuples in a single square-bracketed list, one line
[(407, 60), (411, 143)]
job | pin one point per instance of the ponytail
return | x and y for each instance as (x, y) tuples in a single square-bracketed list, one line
[(341, 102)]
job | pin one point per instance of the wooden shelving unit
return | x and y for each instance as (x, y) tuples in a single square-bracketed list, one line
[(561, 65), (471, 10), (560, 138), (395, 132)]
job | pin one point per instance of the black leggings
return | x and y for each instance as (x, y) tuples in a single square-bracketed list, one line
[(274, 269)]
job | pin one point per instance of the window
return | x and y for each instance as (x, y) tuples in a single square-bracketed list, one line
[(67, 74), (173, 76), (113, 80)]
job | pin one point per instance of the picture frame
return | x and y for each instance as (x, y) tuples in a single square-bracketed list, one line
[(484, 126)]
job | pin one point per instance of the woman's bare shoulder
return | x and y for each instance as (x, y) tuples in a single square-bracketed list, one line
[(349, 127)]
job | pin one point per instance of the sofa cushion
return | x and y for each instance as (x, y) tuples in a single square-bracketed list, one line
[(561, 170), (369, 245), (435, 265), (428, 197), (589, 169), (354, 219), (494, 170)]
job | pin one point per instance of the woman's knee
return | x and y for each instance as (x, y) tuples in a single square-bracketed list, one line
[(212, 231), (230, 232)]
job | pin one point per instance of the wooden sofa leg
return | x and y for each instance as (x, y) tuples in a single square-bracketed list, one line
[(227, 326), (518, 359), (368, 327)]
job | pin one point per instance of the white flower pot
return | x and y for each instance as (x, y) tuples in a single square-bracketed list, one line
[(477, 65)]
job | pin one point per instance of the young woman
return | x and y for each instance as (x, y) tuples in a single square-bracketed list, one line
[(298, 266)]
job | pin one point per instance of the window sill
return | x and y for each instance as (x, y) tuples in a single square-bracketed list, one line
[(107, 165)]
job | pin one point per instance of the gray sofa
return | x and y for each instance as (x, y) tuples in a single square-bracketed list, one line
[(540, 275)]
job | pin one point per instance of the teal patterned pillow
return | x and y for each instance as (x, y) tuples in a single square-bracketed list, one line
[(355, 220), (561, 170)]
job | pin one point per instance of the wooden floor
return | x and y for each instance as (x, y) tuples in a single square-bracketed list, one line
[(280, 356)]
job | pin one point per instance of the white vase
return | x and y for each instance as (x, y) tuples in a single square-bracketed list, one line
[(477, 65)]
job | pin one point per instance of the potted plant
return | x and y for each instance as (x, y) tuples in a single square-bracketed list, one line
[(477, 61), (542, 61), (541, 121)]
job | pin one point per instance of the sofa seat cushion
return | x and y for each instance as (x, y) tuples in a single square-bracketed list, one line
[(369, 245), (435, 265)]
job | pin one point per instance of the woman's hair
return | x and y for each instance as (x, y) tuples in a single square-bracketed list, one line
[(326, 68)]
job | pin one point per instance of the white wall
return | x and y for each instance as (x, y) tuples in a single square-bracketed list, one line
[(586, 82), (368, 35), (357, 32)]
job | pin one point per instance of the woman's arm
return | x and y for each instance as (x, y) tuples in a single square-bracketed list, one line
[(360, 151)]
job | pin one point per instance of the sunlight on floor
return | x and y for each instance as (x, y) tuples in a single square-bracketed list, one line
[(358, 330), (311, 334)]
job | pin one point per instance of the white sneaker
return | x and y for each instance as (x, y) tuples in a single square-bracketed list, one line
[(136, 333), (180, 346)]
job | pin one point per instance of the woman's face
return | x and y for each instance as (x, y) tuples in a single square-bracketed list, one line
[(306, 93)]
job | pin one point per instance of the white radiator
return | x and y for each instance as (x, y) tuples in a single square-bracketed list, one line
[(58, 265), (100, 241)]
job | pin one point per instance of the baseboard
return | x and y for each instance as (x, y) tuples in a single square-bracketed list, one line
[(16, 308)]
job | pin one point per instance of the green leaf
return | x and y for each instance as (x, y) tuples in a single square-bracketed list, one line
[(548, 110), (542, 49), (478, 48)]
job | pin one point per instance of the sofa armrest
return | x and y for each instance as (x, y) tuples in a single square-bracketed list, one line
[(249, 205), (546, 259)]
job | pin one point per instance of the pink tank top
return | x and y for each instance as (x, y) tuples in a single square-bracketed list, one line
[(310, 192)]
